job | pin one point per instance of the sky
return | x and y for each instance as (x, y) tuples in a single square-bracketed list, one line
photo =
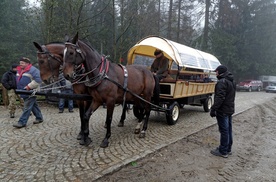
[(33, 2)]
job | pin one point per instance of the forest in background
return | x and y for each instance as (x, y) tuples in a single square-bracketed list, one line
[(240, 33)]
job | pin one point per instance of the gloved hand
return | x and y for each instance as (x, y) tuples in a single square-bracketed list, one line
[(27, 88), (213, 113)]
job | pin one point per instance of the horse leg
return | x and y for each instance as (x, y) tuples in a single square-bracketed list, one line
[(85, 139), (140, 119), (81, 112), (109, 110), (123, 116), (81, 106), (145, 126)]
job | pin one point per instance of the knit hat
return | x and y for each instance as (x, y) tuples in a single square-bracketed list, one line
[(221, 69), (157, 51), (14, 65), (26, 60)]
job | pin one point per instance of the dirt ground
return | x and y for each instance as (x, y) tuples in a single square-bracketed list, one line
[(253, 158)]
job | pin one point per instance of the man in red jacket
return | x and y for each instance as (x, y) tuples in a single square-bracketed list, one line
[(28, 78)]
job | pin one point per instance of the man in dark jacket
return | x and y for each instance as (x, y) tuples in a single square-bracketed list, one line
[(223, 108), (160, 65), (9, 82)]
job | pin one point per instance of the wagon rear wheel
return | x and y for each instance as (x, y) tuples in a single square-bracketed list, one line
[(207, 104), (172, 114)]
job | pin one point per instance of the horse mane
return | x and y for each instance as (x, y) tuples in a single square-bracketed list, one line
[(61, 43)]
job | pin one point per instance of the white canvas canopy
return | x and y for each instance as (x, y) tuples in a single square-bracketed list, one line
[(182, 55)]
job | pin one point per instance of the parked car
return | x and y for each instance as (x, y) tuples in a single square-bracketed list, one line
[(250, 85), (271, 87)]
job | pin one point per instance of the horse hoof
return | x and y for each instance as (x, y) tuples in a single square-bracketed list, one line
[(82, 142), (142, 135), (86, 142), (136, 131), (104, 144), (121, 124), (79, 136)]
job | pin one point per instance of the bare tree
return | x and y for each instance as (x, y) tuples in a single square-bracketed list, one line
[(170, 20), (204, 43)]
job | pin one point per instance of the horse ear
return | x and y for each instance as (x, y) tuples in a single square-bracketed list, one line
[(38, 46), (75, 39)]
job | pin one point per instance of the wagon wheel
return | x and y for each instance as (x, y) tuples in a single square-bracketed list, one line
[(137, 112), (207, 104), (172, 114)]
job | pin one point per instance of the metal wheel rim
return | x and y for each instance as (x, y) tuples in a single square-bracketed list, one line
[(209, 103), (175, 113)]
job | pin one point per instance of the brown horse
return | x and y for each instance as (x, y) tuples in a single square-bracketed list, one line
[(109, 83), (50, 61)]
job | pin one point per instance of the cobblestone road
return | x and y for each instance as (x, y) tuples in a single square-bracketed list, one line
[(50, 151)]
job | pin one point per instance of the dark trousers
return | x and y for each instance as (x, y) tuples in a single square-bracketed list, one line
[(61, 103), (225, 128)]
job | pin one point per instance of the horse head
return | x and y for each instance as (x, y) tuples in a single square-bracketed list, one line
[(50, 59), (73, 58)]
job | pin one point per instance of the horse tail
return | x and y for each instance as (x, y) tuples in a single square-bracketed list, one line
[(156, 91)]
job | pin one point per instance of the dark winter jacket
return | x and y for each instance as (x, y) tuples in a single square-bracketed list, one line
[(225, 92), (160, 66), (9, 80)]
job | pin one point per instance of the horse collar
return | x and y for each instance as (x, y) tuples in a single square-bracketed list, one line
[(96, 80)]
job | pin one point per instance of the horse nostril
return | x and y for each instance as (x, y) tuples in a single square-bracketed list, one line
[(66, 76), (45, 81)]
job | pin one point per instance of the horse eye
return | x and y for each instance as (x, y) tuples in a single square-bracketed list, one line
[(41, 61)]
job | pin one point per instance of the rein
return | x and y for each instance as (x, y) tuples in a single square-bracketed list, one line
[(96, 80)]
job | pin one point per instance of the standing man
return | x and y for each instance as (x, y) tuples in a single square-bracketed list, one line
[(222, 109), (28, 78), (66, 89), (160, 65), (9, 82)]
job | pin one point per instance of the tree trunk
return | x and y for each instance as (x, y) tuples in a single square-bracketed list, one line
[(170, 20), (204, 44), (178, 21)]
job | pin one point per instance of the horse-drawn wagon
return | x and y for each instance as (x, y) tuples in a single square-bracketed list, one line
[(189, 80), (96, 80)]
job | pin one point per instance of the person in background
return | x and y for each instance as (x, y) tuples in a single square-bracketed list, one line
[(223, 109), (160, 65), (66, 89), (9, 82), (206, 79), (28, 78)]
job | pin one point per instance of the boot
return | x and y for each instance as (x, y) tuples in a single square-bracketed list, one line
[(12, 115)]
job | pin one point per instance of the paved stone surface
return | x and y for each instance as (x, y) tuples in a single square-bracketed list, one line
[(50, 151)]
